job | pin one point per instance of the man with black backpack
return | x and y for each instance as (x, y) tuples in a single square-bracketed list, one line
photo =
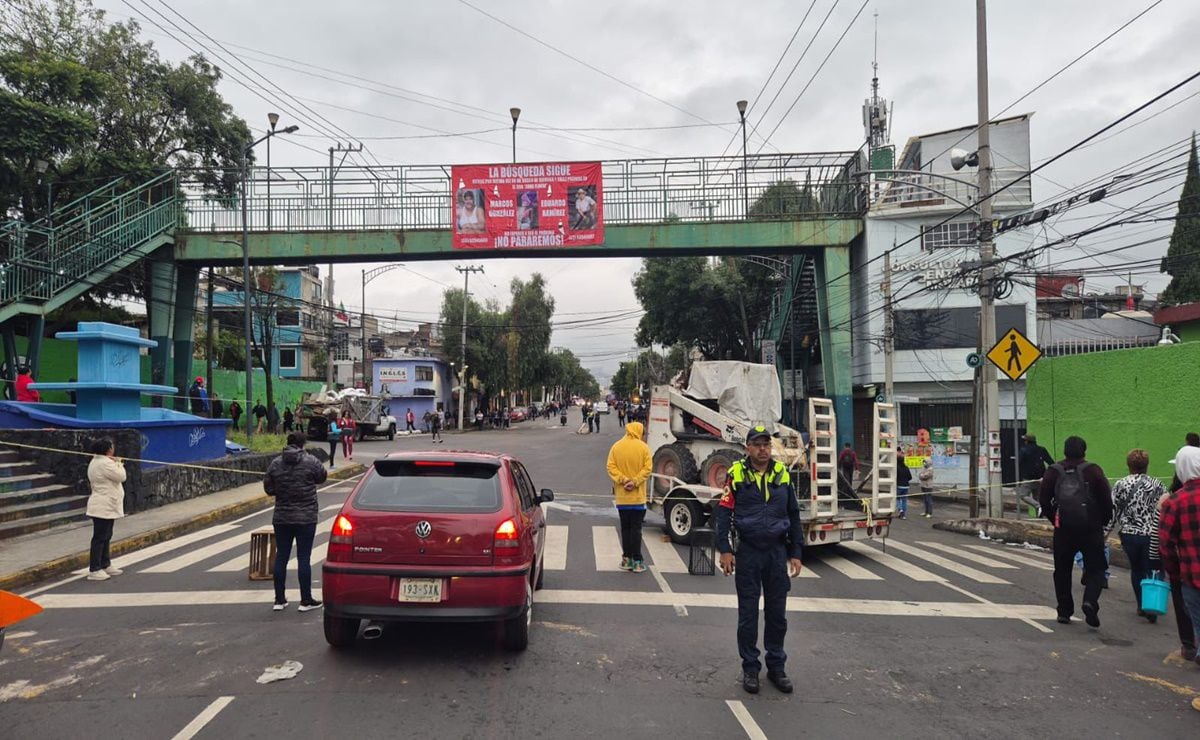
[(1076, 498)]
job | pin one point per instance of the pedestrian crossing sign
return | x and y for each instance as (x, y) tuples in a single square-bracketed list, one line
[(1014, 354)]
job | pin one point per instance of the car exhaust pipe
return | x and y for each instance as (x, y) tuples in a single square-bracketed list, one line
[(372, 631)]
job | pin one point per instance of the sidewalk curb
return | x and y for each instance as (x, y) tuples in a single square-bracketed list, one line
[(1024, 531), (64, 565)]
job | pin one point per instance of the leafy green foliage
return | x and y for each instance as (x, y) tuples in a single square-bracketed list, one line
[(649, 369), (1183, 254)]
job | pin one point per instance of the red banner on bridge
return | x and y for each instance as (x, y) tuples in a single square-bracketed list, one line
[(528, 206)]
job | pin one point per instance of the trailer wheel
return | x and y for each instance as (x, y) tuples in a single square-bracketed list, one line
[(360, 433), (675, 461), (683, 516), (391, 432), (715, 468)]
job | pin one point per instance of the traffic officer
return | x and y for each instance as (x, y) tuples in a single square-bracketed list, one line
[(760, 503)]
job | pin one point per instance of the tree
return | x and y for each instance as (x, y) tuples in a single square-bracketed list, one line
[(265, 304), (563, 371), (528, 338), (782, 199), (229, 349), (1183, 253), (97, 103), (649, 369)]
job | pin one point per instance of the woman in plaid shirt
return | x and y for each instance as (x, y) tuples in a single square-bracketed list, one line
[(1179, 534)]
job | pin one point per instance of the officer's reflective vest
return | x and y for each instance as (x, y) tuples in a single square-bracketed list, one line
[(759, 503)]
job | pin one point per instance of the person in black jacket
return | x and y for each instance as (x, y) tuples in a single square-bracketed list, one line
[(292, 478), (903, 481), (1033, 460)]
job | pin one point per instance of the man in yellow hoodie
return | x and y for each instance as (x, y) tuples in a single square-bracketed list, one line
[(629, 467)]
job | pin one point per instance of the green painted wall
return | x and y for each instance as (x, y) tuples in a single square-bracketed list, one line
[(1188, 332), (59, 358), (1117, 401)]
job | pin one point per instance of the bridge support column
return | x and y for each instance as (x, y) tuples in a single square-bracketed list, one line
[(158, 309), (186, 283), (35, 327), (833, 316), (9, 338)]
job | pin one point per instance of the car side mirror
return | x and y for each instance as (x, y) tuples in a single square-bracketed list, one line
[(545, 496)]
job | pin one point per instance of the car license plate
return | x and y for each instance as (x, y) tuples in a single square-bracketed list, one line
[(847, 534), (420, 589)]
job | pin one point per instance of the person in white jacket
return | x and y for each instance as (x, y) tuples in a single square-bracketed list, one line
[(106, 474)]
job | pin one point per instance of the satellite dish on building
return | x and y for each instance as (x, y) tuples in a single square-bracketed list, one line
[(958, 158)]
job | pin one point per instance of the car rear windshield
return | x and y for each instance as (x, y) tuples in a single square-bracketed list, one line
[(404, 485)]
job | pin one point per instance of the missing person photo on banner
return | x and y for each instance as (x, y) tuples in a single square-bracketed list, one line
[(583, 208), (469, 211), (527, 210)]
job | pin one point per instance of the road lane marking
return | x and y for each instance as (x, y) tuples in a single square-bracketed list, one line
[(902, 567), (978, 609), (162, 548), (242, 561), (557, 506), (1003, 553), (742, 715), (975, 575), (606, 545), (981, 600), (981, 560), (202, 719), (664, 556), (555, 555), (680, 609), (848, 568), (179, 562)]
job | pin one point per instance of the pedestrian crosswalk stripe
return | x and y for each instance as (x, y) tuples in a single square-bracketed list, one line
[(663, 554), (317, 557), (555, 555), (963, 570), (180, 562), (808, 572), (163, 548), (957, 552), (242, 560), (606, 544), (903, 567), (1001, 552), (849, 568)]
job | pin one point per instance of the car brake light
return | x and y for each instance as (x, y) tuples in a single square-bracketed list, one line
[(434, 463), (507, 535), (340, 540)]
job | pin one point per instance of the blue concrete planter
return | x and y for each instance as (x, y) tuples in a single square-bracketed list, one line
[(167, 436)]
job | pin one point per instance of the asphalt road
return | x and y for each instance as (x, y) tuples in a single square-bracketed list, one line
[(936, 635)]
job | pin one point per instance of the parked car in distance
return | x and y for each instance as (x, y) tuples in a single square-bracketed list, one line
[(600, 407), (517, 414), (436, 536)]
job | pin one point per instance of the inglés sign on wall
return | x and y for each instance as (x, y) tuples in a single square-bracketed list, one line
[(393, 374)]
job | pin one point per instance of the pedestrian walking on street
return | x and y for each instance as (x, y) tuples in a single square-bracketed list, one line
[(848, 463), (1135, 501), (1033, 460), (903, 481), (292, 478), (409, 421), (1076, 498), (26, 394), (926, 478), (334, 435), (621, 415), (198, 398), (760, 503), (105, 505), (235, 412), (629, 467), (435, 429), (289, 419), (1179, 534), (1183, 623)]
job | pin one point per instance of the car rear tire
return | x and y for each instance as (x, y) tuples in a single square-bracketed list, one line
[(340, 632), (516, 630), (541, 577), (683, 515), (715, 468), (676, 461), (360, 433)]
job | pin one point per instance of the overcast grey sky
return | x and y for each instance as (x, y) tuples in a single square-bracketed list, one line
[(674, 64)]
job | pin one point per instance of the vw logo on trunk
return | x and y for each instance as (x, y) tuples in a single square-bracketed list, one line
[(424, 529)]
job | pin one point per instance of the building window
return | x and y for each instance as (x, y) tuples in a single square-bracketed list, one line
[(287, 318), (950, 328), (946, 236), (424, 372), (287, 359), (341, 346)]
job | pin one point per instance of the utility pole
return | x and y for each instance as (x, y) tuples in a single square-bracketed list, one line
[(889, 346), (990, 388), (462, 383), (345, 150), (208, 334)]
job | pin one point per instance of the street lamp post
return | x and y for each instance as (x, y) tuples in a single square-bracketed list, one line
[(741, 106), (247, 282), (368, 276), (516, 113), (272, 118)]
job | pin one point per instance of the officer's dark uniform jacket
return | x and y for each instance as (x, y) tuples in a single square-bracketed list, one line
[(763, 508)]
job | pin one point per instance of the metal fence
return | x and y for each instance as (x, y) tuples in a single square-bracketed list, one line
[(641, 191), (902, 189)]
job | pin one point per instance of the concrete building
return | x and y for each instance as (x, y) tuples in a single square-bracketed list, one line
[(936, 317), (417, 382)]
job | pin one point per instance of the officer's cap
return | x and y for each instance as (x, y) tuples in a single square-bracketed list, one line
[(758, 432)]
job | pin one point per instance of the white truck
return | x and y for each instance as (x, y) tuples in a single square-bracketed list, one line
[(696, 433), (370, 413)]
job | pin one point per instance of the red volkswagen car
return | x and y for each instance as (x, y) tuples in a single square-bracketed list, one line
[(436, 536)]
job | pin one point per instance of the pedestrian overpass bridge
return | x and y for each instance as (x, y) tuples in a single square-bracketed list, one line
[(803, 210)]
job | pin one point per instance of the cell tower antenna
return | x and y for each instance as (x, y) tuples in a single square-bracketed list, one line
[(875, 61)]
